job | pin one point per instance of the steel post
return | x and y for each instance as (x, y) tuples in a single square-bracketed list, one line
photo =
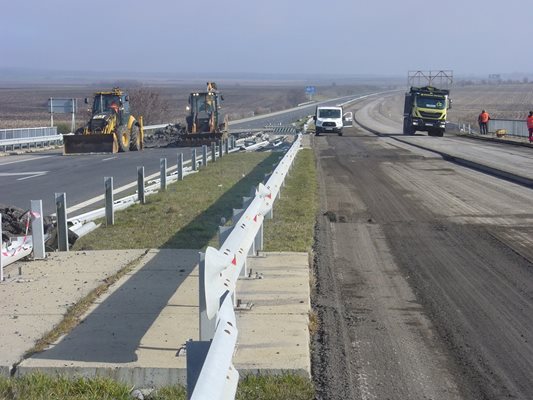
[(226, 145), (140, 185), (61, 214), (259, 242), (220, 148), (196, 354), (204, 155), (37, 229), (180, 166), (193, 160), (213, 151), (207, 326), (163, 173), (109, 211)]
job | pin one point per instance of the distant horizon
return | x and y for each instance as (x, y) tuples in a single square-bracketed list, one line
[(83, 77)]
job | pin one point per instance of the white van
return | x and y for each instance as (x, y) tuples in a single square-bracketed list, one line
[(328, 119)]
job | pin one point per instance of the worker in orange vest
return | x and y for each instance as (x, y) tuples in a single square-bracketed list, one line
[(483, 120), (530, 126)]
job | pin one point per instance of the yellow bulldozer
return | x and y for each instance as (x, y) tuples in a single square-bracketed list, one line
[(111, 128)]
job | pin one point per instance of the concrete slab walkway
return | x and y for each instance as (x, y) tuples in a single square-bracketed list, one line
[(137, 330)]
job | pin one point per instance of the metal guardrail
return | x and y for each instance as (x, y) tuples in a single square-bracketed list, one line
[(514, 127), (219, 271), (21, 137)]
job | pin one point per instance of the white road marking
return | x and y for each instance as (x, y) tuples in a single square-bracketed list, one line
[(33, 176), (110, 158), (26, 159), (27, 175)]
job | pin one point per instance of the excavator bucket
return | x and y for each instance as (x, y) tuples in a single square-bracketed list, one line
[(86, 144)]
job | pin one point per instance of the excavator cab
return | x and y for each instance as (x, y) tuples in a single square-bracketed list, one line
[(205, 124)]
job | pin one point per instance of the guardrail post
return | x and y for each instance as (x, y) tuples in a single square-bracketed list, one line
[(223, 233), (1, 252), (204, 155), (109, 211), (140, 185), (180, 166), (163, 173), (61, 214), (469, 129), (196, 354), (258, 241), (220, 148), (213, 151), (37, 229), (207, 326), (193, 160), (226, 145)]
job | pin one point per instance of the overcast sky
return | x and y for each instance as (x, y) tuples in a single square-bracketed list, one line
[(272, 36)]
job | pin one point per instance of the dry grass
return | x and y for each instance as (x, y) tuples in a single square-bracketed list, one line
[(26, 106)]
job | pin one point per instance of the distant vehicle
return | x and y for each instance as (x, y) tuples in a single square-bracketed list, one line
[(426, 107), (328, 119)]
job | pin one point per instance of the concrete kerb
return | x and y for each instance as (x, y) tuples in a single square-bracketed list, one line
[(136, 332)]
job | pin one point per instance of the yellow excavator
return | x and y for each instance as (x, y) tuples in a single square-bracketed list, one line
[(111, 128), (205, 123)]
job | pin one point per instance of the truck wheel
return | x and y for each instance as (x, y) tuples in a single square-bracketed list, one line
[(135, 138), (440, 133), (123, 138), (317, 131), (340, 133), (407, 127)]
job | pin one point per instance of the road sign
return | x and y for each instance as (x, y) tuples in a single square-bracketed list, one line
[(64, 106), (310, 90)]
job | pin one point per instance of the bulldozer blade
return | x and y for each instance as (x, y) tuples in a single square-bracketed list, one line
[(85, 144)]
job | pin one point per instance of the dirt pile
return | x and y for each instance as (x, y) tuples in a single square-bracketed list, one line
[(166, 137)]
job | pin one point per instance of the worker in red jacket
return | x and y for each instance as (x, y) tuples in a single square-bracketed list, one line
[(530, 126), (483, 120)]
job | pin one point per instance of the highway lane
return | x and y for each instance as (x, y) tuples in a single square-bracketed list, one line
[(508, 158), (40, 175), (424, 275), (289, 116)]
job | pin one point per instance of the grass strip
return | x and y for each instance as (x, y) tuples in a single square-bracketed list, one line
[(292, 228), (45, 387), (188, 213)]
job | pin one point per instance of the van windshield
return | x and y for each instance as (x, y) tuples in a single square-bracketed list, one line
[(329, 113)]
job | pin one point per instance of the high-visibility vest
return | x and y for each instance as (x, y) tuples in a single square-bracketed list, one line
[(484, 117), (530, 122)]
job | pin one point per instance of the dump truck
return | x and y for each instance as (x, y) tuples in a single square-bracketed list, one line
[(111, 129), (426, 107), (204, 123)]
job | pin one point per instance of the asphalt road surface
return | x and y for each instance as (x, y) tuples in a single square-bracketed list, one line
[(424, 276), (39, 175)]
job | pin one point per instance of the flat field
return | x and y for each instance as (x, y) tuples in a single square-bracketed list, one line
[(26, 105)]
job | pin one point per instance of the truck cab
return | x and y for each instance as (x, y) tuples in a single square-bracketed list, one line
[(328, 119), (425, 109)]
